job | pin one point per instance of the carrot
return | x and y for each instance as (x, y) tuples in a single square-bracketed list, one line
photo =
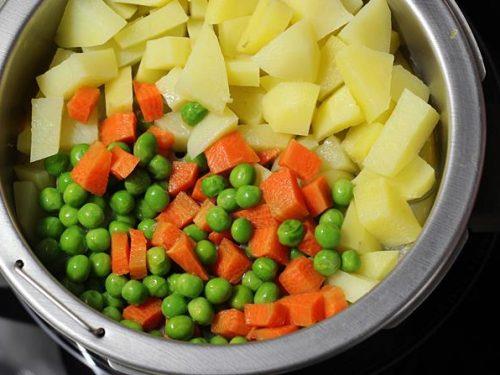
[(300, 276), (120, 127), (230, 323), (164, 139), (299, 159), (183, 254), (148, 315), (200, 218), (318, 196), (309, 245), (166, 234), (120, 252), (268, 156), (150, 101), (283, 195), (335, 300), (231, 262), (261, 334), (180, 211), (260, 216), (92, 171), (228, 152), (197, 193), (266, 315), (138, 249), (83, 103), (217, 238), (123, 163), (305, 309), (183, 177), (265, 243)]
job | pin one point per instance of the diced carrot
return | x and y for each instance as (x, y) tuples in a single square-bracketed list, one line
[(305, 309), (138, 249), (261, 334), (217, 238), (268, 156), (181, 211), (309, 245), (266, 315), (120, 253), (265, 243), (83, 103), (231, 262), (260, 216), (183, 254), (123, 163), (197, 193), (228, 152), (183, 177), (305, 163), (148, 315), (92, 171), (283, 195), (299, 276), (120, 127), (201, 217), (335, 300), (230, 323), (166, 234), (150, 100), (318, 196), (164, 139)]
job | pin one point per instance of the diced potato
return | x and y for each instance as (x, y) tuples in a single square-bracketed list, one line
[(24, 141), (152, 26), (149, 75), (329, 77), (247, 104), (326, 16), (353, 6), (354, 236), (261, 174), (262, 137), (74, 132), (289, 107), (174, 124), (360, 139), (382, 119), (402, 79), (333, 175), (184, 5), (270, 19), (123, 10), (294, 55), (60, 56), (179, 31), (198, 8), (28, 211), (118, 93), (353, 286), (367, 73), (308, 142), (340, 111), (34, 172), (395, 42), (243, 72), (423, 207), (124, 57), (403, 136), (87, 23), (334, 156), (385, 214), (371, 27), (209, 130), (222, 10), (379, 264), (45, 127), (270, 82), (146, 3), (167, 53), (430, 152), (230, 33), (166, 85), (194, 28), (204, 79)]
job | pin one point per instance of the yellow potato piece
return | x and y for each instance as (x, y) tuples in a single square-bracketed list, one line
[(28, 211), (308, 142), (230, 33), (243, 72), (45, 127), (167, 53), (24, 141), (334, 156), (194, 28), (379, 264), (124, 57), (119, 93), (74, 132), (148, 75), (329, 77), (395, 42), (354, 236), (60, 56), (262, 137), (146, 3), (403, 79), (352, 6), (198, 8), (261, 174), (222, 10), (353, 286), (333, 175), (173, 123), (247, 104), (360, 139), (166, 85), (34, 172), (270, 82), (123, 10)]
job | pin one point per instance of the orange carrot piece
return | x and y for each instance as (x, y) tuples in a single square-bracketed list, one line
[(217, 238), (138, 249), (265, 243), (181, 211), (230, 323), (305, 163), (148, 315), (305, 309), (201, 217), (261, 334), (164, 139), (260, 216), (232, 262), (318, 196), (183, 177), (309, 245), (150, 101), (300, 276), (123, 163), (228, 152), (83, 103), (120, 127), (92, 171), (335, 300), (268, 156), (120, 253), (166, 234), (183, 254), (266, 315), (282, 193), (197, 193)]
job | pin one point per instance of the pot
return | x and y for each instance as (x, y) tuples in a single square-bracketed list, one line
[(443, 51)]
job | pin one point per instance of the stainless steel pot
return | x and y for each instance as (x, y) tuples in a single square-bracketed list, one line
[(443, 51)]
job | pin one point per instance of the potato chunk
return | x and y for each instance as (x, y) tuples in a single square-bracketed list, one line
[(360, 139), (45, 127), (403, 79), (34, 172), (74, 132), (243, 72), (118, 93), (353, 6), (124, 57), (167, 53), (262, 137), (379, 264), (230, 33), (173, 123), (354, 235), (329, 77), (222, 10), (334, 156), (123, 10), (166, 85), (353, 286), (247, 104)]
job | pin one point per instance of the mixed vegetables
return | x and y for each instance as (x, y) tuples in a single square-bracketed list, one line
[(260, 172)]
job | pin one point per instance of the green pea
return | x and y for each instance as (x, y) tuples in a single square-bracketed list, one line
[(109, 300), (99, 201), (72, 241), (98, 240), (342, 192), (75, 195), (112, 313), (63, 181), (218, 340), (172, 281), (218, 290), (75, 288), (122, 145), (156, 333), (296, 253), (332, 216), (291, 233), (93, 299), (78, 268), (201, 311), (68, 215), (242, 295), (114, 284), (242, 230), (195, 233), (252, 281), (200, 161), (130, 220), (267, 292), (248, 196), (132, 325), (91, 216), (147, 226), (156, 285), (119, 227), (50, 227), (198, 340), (138, 181), (77, 153), (48, 251), (188, 285), (351, 262), (174, 305), (144, 211), (218, 219), (227, 200), (157, 198), (145, 148), (134, 292), (206, 252), (193, 113), (327, 235), (160, 167), (241, 175), (213, 185), (265, 268), (158, 261), (56, 164), (238, 340), (327, 262), (100, 264), (180, 327), (122, 202), (50, 200)]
